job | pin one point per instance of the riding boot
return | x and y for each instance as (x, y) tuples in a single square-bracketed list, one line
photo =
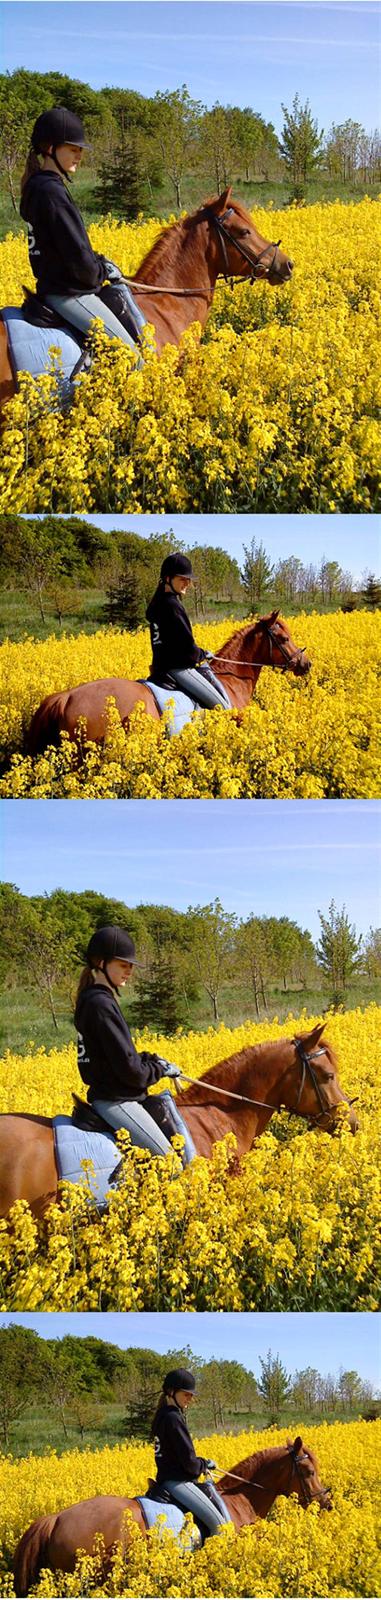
[(164, 1111)]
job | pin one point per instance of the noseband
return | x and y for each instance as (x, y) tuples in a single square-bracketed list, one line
[(223, 234)]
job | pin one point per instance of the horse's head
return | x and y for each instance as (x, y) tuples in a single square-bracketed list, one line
[(310, 1086), (303, 1476), (242, 250), (281, 651)]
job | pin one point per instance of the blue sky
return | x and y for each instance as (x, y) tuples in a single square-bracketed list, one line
[(256, 54), (353, 541), (264, 857), (345, 1339)]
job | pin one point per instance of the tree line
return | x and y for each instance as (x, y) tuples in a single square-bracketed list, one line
[(75, 1379), (205, 951), (141, 145), (54, 561)]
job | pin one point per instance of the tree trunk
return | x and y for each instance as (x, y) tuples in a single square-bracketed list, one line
[(51, 1003), (11, 189), (215, 1008)]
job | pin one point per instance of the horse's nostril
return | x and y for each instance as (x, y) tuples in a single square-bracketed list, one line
[(290, 265)]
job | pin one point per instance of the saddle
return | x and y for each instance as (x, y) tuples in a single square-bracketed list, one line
[(84, 1116), (40, 315)]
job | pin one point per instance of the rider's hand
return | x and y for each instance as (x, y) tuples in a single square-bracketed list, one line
[(169, 1068), (210, 1466), (113, 272)]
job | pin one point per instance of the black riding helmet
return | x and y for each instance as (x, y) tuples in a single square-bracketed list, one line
[(176, 566), (179, 1378), (108, 944), (55, 127)]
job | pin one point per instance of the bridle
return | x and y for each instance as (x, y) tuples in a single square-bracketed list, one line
[(289, 660), (292, 1111), (223, 234)]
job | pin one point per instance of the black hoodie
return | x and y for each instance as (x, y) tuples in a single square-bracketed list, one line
[(60, 252), (174, 1453), (107, 1059), (172, 639)]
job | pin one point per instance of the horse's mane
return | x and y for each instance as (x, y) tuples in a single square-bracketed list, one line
[(246, 1469), (237, 640), (172, 239), (197, 1095)]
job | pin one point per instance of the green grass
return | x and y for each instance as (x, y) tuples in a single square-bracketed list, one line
[(272, 193), (40, 1430), (20, 616), (27, 1020)]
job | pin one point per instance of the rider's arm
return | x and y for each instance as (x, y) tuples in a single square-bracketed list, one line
[(180, 1444), (83, 268), (179, 636), (112, 1041)]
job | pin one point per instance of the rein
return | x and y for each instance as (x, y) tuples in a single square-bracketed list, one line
[(293, 1111)]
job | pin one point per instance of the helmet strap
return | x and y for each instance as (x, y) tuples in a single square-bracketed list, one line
[(57, 163)]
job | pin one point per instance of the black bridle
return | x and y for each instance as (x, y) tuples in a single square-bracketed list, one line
[(223, 234), (289, 660), (308, 1070)]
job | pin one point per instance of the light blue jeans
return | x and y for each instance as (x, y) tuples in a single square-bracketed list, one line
[(191, 1498), (141, 1127), (80, 311), (202, 687)]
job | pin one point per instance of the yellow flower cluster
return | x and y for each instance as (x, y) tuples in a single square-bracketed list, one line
[(298, 739), (297, 1228), (276, 410), (294, 1552)]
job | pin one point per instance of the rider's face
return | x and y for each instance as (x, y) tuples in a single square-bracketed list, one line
[(184, 1398), (181, 583), (119, 972), (69, 156)]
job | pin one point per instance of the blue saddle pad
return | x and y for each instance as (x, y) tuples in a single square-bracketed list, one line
[(182, 709), (74, 1145), (30, 347), (153, 1509)]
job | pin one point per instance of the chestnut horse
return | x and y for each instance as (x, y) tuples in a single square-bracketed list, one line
[(54, 1541), (175, 283), (266, 643), (238, 1095)]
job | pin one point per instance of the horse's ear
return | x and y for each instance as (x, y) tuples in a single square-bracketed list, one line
[(298, 1444), (223, 201), (313, 1038), (272, 617)]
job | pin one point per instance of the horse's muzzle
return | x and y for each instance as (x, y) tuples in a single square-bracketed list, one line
[(281, 273), (303, 666)]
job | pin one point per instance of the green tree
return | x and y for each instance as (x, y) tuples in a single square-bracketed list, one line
[(20, 1375), (371, 592), (159, 1002), (177, 126), (212, 932), (122, 184), (257, 574), (300, 145), (125, 605), (273, 1386), (339, 953)]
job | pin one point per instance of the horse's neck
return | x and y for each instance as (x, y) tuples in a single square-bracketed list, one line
[(240, 688), (253, 1502), (191, 265)]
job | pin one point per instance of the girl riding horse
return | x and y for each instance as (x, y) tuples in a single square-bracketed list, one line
[(175, 652), (71, 276), (116, 1075), (178, 1466)]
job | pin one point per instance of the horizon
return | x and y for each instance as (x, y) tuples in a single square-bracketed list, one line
[(303, 1337), (244, 52), (284, 862)]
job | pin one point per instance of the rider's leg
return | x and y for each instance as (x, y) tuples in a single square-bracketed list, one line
[(201, 685), (80, 311), (162, 1107), (190, 1497), (141, 1127)]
